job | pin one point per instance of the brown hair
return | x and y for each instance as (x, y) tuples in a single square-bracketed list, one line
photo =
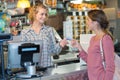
[(34, 10), (101, 18)]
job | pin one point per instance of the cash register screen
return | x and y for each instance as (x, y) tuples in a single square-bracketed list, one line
[(15, 51)]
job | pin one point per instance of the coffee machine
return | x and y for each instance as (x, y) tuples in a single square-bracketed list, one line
[(24, 55)]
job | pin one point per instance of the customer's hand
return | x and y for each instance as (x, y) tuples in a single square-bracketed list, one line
[(76, 44), (63, 43)]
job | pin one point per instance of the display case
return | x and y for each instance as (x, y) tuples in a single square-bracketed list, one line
[(78, 24)]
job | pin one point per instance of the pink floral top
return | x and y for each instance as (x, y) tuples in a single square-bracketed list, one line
[(94, 60)]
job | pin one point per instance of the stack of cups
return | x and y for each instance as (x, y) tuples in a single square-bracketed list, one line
[(31, 70)]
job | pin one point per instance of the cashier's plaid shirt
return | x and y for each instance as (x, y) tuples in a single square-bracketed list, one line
[(49, 45)]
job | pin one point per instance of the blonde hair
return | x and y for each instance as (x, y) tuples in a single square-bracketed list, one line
[(34, 10)]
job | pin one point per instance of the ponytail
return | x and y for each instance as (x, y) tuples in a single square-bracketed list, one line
[(109, 33)]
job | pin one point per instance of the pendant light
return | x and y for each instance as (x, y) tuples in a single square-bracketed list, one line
[(23, 4)]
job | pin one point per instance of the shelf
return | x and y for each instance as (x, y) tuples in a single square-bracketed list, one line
[(78, 22)]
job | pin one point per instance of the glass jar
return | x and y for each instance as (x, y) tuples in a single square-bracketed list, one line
[(51, 3)]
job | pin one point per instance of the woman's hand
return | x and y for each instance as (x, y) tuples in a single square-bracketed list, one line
[(63, 43), (75, 44)]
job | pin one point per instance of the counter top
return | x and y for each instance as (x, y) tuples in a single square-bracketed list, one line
[(64, 71), (66, 57), (71, 71), (67, 68)]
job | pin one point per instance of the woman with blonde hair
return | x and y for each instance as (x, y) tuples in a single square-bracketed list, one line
[(38, 14)]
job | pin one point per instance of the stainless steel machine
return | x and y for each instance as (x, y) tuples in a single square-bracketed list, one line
[(24, 55)]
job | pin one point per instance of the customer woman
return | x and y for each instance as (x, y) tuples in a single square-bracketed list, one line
[(97, 22), (39, 31)]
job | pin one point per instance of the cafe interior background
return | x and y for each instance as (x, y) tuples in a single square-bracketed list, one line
[(68, 17)]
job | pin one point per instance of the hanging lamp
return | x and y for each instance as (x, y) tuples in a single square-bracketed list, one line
[(23, 4)]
